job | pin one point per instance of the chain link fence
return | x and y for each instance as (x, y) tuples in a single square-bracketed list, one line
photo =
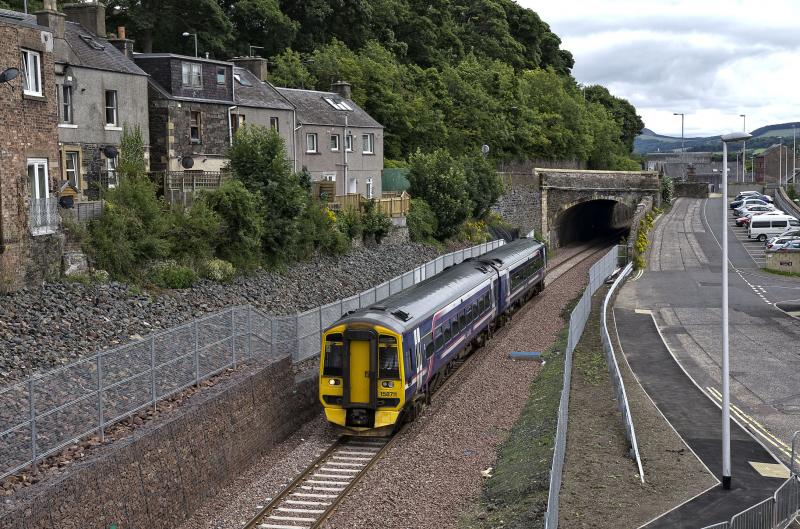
[(51, 410), (598, 273)]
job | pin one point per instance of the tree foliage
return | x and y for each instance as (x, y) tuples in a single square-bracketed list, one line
[(441, 182)]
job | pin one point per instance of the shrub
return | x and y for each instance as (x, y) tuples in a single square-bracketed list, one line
[(484, 184), (318, 231), (219, 270), (376, 224), (348, 221), (194, 233), (667, 190), (422, 223), (473, 231), (169, 274), (241, 226), (132, 163)]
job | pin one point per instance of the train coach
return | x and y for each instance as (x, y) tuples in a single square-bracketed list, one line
[(379, 364)]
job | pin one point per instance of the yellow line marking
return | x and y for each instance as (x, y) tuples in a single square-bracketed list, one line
[(643, 311), (770, 470)]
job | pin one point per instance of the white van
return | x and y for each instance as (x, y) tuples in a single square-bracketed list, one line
[(763, 227)]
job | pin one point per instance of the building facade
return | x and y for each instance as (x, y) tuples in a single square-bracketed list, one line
[(773, 165), (336, 140), (30, 240)]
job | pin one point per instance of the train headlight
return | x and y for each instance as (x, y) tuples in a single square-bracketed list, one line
[(387, 384), (333, 381)]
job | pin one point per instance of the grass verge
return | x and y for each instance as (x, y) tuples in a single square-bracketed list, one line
[(780, 272)]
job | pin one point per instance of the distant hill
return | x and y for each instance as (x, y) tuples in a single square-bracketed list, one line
[(649, 141)]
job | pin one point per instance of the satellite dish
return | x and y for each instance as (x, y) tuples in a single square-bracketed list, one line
[(187, 162), (9, 75)]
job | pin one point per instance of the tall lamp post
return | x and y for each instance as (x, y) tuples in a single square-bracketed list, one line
[(726, 398), (187, 34), (744, 147), (780, 161), (794, 156), (681, 114)]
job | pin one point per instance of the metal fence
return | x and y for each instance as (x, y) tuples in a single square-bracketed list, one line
[(775, 512), (43, 215), (616, 376), (51, 410), (577, 322)]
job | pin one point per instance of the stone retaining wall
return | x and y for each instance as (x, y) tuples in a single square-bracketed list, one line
[(159, 476), (783, 262), (691, 189)]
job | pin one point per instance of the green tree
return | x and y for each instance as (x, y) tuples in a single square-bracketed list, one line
[(261, 23), (288, 70), (132, 163), (484, 184), (442, 184)]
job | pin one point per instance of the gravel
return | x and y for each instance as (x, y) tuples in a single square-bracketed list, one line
[(50, 326)]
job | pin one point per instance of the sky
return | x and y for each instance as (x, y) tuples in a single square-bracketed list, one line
[(709, 59)]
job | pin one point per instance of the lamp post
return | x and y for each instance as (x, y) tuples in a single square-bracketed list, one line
[(794, 156), (681, 114), (726, 399), (780, 161), (744, 146), (187, 34)]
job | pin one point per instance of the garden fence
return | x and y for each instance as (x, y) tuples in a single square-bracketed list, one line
[(598, 273), (53, 409)]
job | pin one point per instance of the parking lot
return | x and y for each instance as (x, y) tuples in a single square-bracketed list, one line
[(754, 248)]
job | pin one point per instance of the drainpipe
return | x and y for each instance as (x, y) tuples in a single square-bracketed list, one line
[(230, 123), (346, 180), (295, 128)]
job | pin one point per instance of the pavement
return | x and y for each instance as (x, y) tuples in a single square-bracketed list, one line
[(669, 325)]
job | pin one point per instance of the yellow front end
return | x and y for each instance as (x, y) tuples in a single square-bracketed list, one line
[(380, 409)]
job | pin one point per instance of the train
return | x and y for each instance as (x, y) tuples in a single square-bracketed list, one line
[(380, 364)]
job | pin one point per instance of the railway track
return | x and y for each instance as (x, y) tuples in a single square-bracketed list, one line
[(314, 495)]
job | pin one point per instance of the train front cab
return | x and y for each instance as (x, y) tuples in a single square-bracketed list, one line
[(361, 379)]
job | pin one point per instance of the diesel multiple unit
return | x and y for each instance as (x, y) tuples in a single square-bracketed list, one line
[(379, 364)]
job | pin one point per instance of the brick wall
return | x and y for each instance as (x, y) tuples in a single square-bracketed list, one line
[(157, 478), (28, 131)]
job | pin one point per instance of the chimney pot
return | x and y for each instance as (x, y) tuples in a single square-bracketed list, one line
[(121, 32), (342, 88)]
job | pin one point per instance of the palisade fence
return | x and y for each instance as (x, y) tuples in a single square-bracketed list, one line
[(598, 273), (53, 409)]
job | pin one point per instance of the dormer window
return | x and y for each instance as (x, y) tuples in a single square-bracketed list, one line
[(221, 75), (192, 74)]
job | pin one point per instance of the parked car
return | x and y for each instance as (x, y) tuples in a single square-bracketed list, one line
[(739, 200), (763, 227), (780, 242), (749, 202), (793, 246), (753, 210), (791, 232)]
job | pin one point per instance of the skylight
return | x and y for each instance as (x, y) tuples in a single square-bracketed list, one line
[(92, 43), (241, 80), (338, 104)]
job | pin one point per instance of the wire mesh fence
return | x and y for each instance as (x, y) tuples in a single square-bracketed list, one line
[(616, 376), (598, 273), (53, 409)]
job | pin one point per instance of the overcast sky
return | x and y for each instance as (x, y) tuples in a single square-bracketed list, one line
[(711, 59)]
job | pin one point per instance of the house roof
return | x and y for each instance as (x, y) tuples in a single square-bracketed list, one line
[(313, 109), (769, 150), (81, 47), (253, 92), (20, 19)]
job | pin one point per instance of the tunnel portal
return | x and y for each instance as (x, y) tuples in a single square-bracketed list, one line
[(593, 219)]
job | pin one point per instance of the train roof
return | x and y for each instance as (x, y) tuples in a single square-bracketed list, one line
[(419, 301)]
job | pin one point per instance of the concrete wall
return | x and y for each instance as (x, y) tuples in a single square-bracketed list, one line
[(783, 262), (159, 476)]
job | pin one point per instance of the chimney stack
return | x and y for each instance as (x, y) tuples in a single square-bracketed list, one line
[(91, 15), (51, 18), (342, 88), (256, 65), (122, 44)]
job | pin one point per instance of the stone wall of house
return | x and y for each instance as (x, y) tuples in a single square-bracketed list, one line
[(160, 475), (29, 131)]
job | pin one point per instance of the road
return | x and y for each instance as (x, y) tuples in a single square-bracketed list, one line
[(682, 288)]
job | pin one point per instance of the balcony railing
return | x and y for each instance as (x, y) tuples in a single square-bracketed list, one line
[(43, 216)]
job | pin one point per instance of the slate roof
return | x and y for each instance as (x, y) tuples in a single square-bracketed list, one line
[(82, 48), (258, 94), (312, 109)]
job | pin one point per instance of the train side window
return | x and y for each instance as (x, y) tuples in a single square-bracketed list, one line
[(447, 332), (462, 319), (439, 339), (455, 326), (429, 350), (334, 357)]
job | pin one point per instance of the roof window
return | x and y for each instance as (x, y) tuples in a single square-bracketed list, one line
[(338, 104), (92, 43), (241, 80)]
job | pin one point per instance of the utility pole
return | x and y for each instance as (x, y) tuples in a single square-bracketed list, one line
[(681, 114), (744, 147)]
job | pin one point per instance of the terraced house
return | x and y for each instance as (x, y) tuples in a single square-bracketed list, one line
[(30, 243), (99, 90)]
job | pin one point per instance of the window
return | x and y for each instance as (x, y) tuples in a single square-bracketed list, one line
[(194, 126), (31, 73), (428, 351), (274, 124), (760, 224), (329, 177), (388, 365), (220, 75), (349, 142), (779, 224), (111, 172), (334, 356), (191, 74), (334, 142), (447, 332), (72, 173), (111, 107), (338, 104), (37, 178), (42, 216), (439, 339), (311, 142), (368, 143), (370, 188), (237, 122), (65, 94)]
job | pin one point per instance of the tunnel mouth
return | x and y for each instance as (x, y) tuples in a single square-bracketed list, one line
[(602, 219)]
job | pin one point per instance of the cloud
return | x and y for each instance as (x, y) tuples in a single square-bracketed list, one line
[(712, 60)]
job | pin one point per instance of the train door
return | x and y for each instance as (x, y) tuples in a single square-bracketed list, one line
[(361, 373)]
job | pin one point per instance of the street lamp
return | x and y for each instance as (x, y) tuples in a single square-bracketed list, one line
[(726, 398), (681, 115), (780, 161), (187, 34), (744, 146)]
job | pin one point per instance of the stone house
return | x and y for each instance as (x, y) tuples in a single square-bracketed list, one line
[(30, 239), (99, 90), (773, 164), (337, 140)]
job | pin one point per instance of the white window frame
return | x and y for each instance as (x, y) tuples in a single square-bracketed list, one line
[(275, 123), (370, 188), (115, 108), (309, 147), (349, 142), (199, 127), (329, 177), (334, 143), (76, 170), (31, 72), (39, 193), (65, 104), (368, 143), (192, 74), (111, 172)]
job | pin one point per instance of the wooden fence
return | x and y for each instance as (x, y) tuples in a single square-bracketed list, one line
[(391, 204), (179, 187)]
